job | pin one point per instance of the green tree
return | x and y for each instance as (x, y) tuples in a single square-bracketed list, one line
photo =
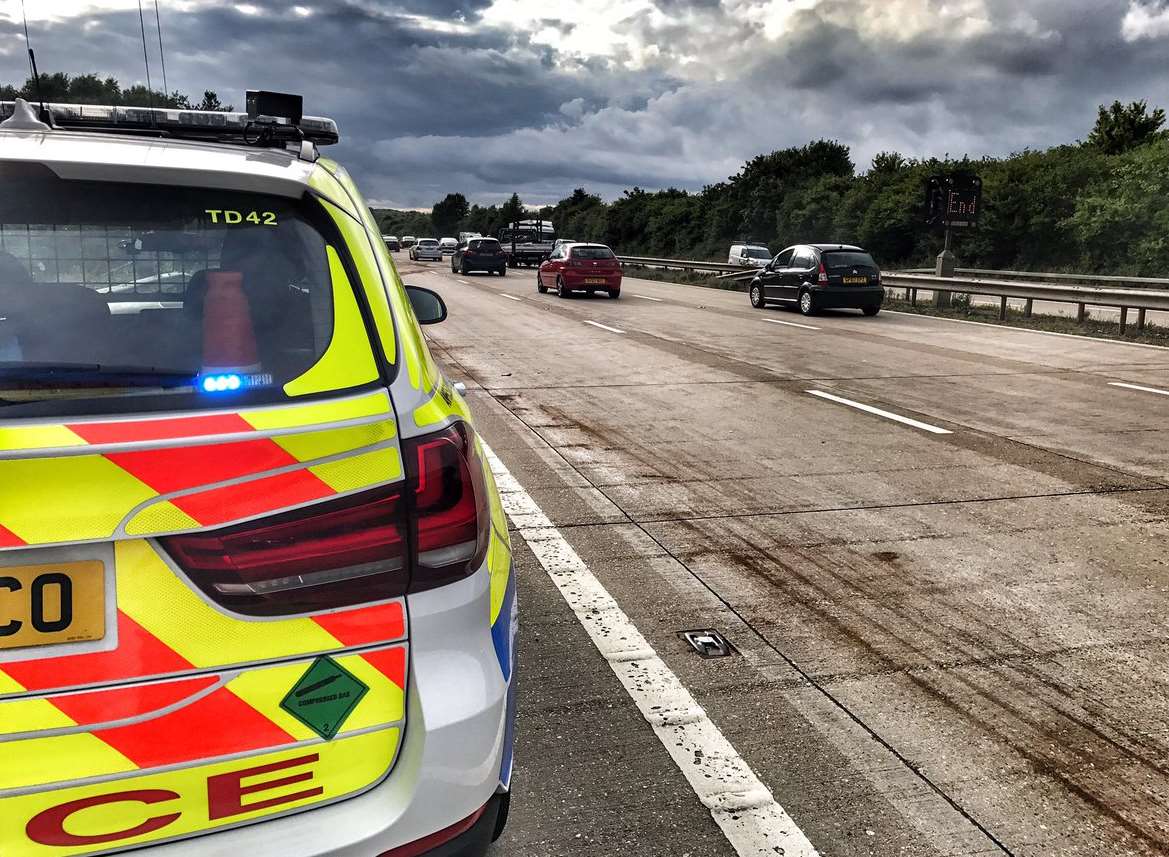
[(449, 213), (512, 210), (1123, 127), (211, 102), (92, 89)]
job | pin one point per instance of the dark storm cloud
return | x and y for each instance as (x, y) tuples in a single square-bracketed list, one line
[(431, 99), (380, 70)]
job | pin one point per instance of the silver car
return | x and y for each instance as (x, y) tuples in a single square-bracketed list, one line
[(426, 250)]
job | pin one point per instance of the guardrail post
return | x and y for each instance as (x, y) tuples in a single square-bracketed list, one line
[(1140, 320), (1081, 313), (1002, 309), (1027, 307), (1123, 320)]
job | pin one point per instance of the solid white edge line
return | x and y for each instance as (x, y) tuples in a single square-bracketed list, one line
[(648, 298), (789, 323), (743, 807), (604, 327), (1138, 387), (886, 414), (510, 297)]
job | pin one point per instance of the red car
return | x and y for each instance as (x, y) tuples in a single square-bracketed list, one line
[(580, 268)]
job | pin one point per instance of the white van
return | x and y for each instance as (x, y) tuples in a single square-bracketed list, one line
[(749, 255)]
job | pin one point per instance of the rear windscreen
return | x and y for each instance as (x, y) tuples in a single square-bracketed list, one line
[(847, 259), (592, 253), (121, 296), (427, 242), (487, 244)]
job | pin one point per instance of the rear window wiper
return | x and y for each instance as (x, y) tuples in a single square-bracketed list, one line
[(82, 375)]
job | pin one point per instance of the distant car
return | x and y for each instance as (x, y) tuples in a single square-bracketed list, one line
[(464, 237), (749, 255), (480, 254), (408, 241), (392, 243), (447, 246), (426, 249), (580, 268), (813, 277)]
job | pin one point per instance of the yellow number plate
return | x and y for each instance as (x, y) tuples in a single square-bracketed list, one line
[(44, 605), (855, 281), (594, 281)]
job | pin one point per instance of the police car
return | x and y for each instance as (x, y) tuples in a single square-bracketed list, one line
[(256, 589)]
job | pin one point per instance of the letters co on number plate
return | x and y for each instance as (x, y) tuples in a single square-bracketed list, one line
[(45, 605)]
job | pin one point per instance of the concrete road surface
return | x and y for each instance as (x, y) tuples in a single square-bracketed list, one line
[(939, 549)]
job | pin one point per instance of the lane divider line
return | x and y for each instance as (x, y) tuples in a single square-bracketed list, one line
[(1139, 387), (789, 323), (509, 297), (743, 807), (604, 327), (648, 298), (880, 413)]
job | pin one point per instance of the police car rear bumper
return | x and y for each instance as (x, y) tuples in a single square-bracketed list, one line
[(449, 764)]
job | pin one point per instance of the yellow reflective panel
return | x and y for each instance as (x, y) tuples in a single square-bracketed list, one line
[(347, 362), (332, 411), (66, 499), (371, 282), (134, 810), (161, 517), (444, 404), (37, 437), (61, 758), (420, 366), (499, 567), (359, 471), (311, 446), (322, 181)]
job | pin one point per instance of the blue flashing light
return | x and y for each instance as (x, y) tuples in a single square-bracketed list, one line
[(221, 383)]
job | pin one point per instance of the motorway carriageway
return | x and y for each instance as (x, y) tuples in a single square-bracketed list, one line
[(938, 548)]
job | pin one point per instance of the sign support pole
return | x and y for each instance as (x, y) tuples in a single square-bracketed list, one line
[(946, 263)]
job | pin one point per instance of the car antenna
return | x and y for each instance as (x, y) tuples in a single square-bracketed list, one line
[(161, 50), (146, 59), (32, 64)]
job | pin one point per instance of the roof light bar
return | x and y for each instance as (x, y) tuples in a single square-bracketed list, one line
[(188, 124)]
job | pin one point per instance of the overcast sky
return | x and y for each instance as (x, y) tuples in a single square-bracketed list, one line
[(487, 97)]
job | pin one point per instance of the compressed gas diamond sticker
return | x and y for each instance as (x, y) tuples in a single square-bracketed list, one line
[(324, 697)]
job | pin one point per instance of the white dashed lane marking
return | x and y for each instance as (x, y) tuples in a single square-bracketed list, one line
[(869, 409), (753, 822), (790, 323), (604, 327), (648, 298), (510, 297), (1139, 388)]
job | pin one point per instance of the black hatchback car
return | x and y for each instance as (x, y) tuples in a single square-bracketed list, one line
[(479, 254), (813, 277)]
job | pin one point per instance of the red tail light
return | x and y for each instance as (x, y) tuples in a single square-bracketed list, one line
[(330, 555), (353, 550), (452, 519), (823, 278)]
